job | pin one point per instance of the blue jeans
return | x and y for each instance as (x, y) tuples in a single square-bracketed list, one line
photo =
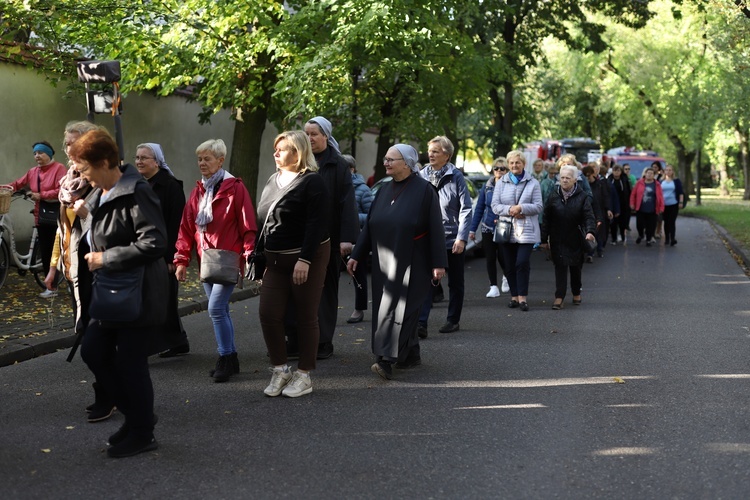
[(218, 311)]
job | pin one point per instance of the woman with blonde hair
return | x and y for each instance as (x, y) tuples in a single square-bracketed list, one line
[(294, 208), (518, 196)]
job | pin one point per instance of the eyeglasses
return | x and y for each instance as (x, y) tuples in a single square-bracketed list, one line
[(500, 169), (81, 170), (143, 158), (627, 169), (390, 160)]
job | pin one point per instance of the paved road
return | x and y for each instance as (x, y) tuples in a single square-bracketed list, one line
[(515, 405)]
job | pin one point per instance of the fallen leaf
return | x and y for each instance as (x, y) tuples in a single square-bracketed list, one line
[(70, 428), (46, 450), (38, 393), (618, 380)]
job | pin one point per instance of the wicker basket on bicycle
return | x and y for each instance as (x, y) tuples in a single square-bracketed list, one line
[(5, 194)]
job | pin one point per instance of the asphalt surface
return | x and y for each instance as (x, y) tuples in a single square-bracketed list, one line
[(641, 392)]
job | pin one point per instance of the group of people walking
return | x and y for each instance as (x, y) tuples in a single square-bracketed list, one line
[(117, 222)]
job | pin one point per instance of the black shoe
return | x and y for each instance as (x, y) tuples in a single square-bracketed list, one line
[(409, 362), (513, 304), (234, 365), (223, 369), (673, 243), (356, 318), (383, 368), (589, 259), (101, 412), (648, 243), (325, 350), (179, 350), (119, 436), (132, 445), (422, 332), (103, 406), (524, 306), (638, 240), (449, 327)]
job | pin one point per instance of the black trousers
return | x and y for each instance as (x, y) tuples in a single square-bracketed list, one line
[(118, 357), (455, 273), (670, 221), (645, 223), (46, 244), (493, 255), (561, 280)]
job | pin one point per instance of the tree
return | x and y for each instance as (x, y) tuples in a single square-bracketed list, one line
[(401, 65), (508, 34), (222, 52)]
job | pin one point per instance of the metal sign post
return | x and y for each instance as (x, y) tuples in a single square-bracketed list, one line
[(105, 97)]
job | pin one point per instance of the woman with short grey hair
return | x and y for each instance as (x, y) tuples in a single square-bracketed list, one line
[(219, 214)]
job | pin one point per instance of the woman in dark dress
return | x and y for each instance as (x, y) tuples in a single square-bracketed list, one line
[(404, 231), (150, 162), (567, 215)]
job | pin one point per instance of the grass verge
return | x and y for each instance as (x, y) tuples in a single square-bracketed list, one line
[(732, 213)]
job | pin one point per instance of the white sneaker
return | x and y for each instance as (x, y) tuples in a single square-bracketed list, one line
[(279, 380), (48, 294), (494, 292), (505, 287), (298, 386)]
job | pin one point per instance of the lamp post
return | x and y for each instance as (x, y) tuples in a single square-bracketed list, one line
[(105, 98)]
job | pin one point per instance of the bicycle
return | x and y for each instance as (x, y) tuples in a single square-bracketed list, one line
[(9, 255)]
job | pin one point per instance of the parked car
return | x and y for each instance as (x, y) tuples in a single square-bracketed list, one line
[(638, 160)]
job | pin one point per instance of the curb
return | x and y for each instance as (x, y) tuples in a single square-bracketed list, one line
[(25, 349), (735, 248)]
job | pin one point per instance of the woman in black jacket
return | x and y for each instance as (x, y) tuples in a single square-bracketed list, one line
[(621, 221), (567, 216), (127, 235)]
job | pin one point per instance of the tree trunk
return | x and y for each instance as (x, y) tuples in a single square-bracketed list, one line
[(698, 179), (244, 161), (684, 161), (451, 133), (742, 139), (385, 140), (503, 118)]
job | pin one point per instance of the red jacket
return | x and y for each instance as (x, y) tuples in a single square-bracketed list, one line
[(233, 228), (636, 196), (48, 188)]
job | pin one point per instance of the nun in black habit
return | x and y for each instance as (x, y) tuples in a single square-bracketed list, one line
[(404, 231)]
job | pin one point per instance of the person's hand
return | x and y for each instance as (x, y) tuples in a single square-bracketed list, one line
[(515, 211), (458, 247), (609, 214), (590, 237), (346, 248), (35, 196), (94, 260), (301, 269), (80, 208), (50, 279), (181, 273), (438, 273), (472, 235), (544, 246), (351, 266)]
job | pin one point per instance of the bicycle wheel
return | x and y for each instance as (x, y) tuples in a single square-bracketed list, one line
[(4, 260)]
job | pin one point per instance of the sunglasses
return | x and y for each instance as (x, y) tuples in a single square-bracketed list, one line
[(500, 169)]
